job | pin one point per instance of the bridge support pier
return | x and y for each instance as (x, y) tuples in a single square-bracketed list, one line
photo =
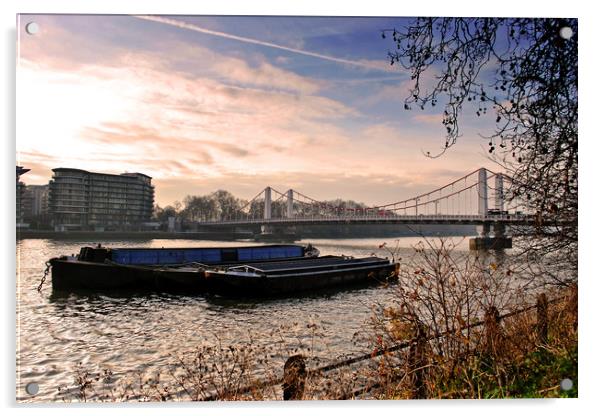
[(499, 230), (484, 241), (484, 230)]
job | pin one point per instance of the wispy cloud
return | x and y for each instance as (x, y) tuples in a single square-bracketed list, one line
[(195, 28), (428, 118), (365, 80)]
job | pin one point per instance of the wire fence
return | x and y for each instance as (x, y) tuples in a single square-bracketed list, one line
[(295, 372)]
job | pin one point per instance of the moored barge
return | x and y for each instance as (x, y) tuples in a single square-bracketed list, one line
[(257, 271), (163, 269)]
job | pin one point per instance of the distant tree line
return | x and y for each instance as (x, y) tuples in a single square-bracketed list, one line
[(222, 205)]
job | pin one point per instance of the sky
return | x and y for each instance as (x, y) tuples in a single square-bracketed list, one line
[(201, 103)]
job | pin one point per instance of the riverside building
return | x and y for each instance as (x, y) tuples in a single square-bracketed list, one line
[(82, 200), (35, 200), (19, 197)]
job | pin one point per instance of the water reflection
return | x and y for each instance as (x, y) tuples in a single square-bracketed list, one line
[(132, 332)]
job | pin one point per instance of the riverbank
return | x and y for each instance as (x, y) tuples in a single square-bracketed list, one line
[(130, 235), (525, 362)]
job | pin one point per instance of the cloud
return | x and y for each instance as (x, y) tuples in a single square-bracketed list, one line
[(56, 46), (195, 28), (153, 116), (112, 133), (264, 75), (428, 118), (255, 71), (383, 65), (59, 49), (386, 94)]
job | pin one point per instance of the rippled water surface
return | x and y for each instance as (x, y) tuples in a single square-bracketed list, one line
[(131, 333)]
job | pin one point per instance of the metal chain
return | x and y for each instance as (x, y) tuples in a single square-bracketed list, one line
[(48, 266)]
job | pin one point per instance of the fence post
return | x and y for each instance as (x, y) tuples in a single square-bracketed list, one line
[(542, 318), (492, 330), (293, 383), (418, 362)]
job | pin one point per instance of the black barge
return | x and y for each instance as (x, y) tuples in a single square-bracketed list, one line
[(160, 269), (257, 271)]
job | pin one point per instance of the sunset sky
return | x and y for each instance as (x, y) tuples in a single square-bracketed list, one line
[(238, 103)]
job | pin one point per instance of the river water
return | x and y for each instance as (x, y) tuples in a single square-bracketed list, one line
[(129, 333)]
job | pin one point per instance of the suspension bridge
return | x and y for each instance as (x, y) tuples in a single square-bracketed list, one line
[(478, 198)]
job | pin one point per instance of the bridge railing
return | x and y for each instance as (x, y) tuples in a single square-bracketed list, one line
[(385, 218)]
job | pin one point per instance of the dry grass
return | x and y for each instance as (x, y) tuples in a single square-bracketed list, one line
[(443, 293)]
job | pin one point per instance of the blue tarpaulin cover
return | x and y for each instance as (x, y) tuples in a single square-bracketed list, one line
[(201, 255)]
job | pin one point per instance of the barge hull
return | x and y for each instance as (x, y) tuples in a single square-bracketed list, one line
[(74, 275), (269, 286)]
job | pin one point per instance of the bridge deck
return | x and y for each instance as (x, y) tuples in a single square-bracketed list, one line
[(507, 219)]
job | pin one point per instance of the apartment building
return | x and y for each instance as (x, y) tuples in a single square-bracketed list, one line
[(84, 200)]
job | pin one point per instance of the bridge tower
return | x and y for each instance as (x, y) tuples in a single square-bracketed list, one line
[(482, 230), (482, 191), (267, 207), (277, 232), (499, 240), (499, 230), (289, 204), (267, 210), (499, 192)]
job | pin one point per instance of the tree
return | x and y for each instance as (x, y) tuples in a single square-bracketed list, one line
[(523, 72), (256, 208), (199, 208), (162, 214), (228, 205)]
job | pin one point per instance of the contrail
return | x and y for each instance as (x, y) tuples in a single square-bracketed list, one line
[(188, 26)]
